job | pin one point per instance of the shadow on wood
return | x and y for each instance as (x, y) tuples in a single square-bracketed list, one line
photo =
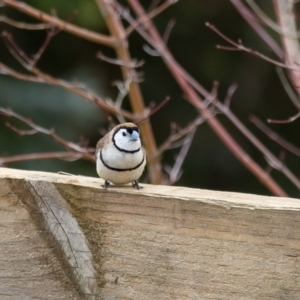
[(64, 237)]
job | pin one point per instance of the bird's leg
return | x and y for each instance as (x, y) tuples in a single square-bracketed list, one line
[(136, 185), (106, 184)]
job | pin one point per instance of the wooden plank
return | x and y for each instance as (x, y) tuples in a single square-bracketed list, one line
[(157, 243), (29, 269)]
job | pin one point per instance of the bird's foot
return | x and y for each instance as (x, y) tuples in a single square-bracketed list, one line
[(136, 185), (106, 184)]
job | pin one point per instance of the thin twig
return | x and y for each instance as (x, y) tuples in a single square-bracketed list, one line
[(289, 90), (238, 46), (175, 172), (51, 33), (133, 64), (17, 130), (281, 158), (267, 20), (153, 110), (15, 50), (5, 70), (252, 21), (168, 30), (23, 25), (150, 50), (152, 14), (264, 18), (153, 5), (174, 137), (88, 152), (289, 120), (123, 92), (42, 77), (229, 94), (21, 56), (275, 136)]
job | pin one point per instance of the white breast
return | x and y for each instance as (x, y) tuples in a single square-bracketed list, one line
[(116, 159)]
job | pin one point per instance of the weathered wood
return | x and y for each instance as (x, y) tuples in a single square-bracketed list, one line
[(64, 237)]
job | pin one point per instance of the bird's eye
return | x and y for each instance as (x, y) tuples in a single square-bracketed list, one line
[(123, 133)]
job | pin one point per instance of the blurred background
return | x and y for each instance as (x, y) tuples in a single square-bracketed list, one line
[(209, 164)]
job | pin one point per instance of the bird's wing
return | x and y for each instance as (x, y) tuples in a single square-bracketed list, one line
[(101, 143)]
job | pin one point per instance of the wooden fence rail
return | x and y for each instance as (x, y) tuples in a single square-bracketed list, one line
[(64, 237)]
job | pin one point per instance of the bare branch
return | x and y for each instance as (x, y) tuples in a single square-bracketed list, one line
[(19, 131), (70, 28), (264, 18), (156, 11), (253, 22), (15, 50), (229, 95), (123, 92), (133, 64), (23, 25), (289, 120), (174, 137), (150, 50), (175, 172), (286, 20), (289, 90), (41, 77), (212, 96), (168, 30), (281, 157), (186, 82), (21, 56), (50, 35), (274, 136), (5, 70), (154, 109), (267, 20), (238, 46), (88, 153)]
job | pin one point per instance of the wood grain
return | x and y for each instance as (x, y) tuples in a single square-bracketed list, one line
[(64, 237)]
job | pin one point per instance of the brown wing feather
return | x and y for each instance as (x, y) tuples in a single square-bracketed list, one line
[(101, 143)]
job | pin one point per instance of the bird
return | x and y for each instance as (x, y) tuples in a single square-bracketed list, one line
[(120, 157)]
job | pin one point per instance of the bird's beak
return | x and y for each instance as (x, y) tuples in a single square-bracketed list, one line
[(134, 136)]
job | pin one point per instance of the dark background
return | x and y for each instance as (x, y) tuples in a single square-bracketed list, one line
[(209, 164)]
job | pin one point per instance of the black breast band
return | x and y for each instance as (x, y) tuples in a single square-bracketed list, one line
[(118, 169)]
